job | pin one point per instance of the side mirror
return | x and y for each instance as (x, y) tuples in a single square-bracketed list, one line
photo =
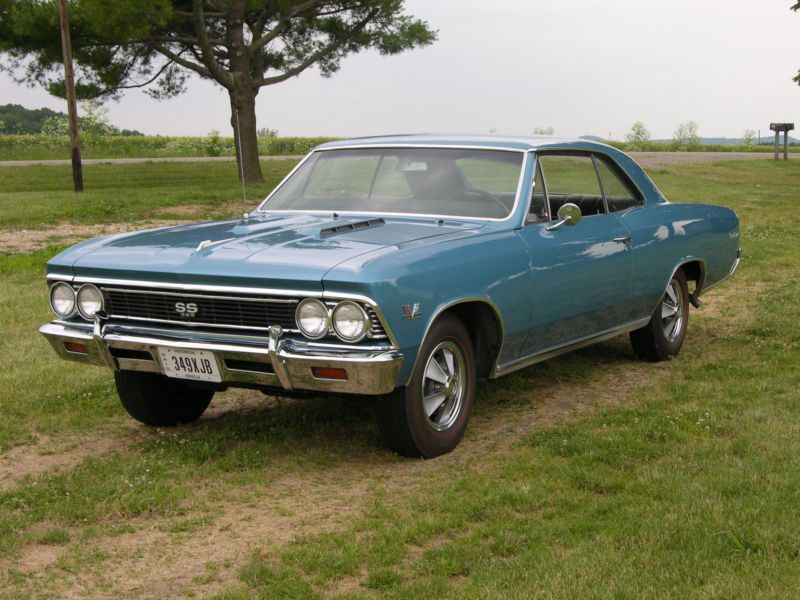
[(569, 214)]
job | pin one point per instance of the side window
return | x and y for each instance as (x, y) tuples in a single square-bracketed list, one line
[(572, 179), (538, 210), (618, 195)]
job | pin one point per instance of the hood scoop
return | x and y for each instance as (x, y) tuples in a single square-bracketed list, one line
[(348, 227)]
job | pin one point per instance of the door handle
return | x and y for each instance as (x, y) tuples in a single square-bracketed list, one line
[(626, 239)]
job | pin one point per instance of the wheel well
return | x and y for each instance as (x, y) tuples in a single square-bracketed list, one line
[(484, 328), (695, 271)]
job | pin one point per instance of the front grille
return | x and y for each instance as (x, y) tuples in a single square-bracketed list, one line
[(212, 309)]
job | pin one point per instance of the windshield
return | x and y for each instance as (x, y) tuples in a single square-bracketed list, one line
[(429, 181)]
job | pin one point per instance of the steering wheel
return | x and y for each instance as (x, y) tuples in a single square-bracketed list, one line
[(478, 192)]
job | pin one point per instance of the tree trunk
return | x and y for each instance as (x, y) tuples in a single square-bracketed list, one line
[(245, 134)]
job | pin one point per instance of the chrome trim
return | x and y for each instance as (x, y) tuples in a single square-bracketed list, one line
[(370, 371), (297, 319), (444, 307), (78, 300), (203, 296), (59, 277), (100, 346), (367, 322), (523, 167), (553, 351), (285, 179), (191, 323), (197, 287), (682, 264), (236, 338), (74, 298), (371, 303), (423, 145), (209, 243), (325, 295)]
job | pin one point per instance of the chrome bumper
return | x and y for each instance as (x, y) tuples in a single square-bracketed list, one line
[(280, 363)]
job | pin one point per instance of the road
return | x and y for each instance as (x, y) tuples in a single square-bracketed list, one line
[(646, 159)]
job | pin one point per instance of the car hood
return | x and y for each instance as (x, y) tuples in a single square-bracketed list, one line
[(274, 250)]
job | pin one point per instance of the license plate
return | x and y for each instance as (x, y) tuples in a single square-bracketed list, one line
[(197, 365)]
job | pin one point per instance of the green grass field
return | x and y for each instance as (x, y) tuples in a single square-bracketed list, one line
[(41, 196), (592, 475), (46, 147)]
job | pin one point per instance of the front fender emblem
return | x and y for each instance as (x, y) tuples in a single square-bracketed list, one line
[(411, 311)]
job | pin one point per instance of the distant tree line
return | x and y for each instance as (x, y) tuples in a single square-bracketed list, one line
[(686, 137), (16, 119)]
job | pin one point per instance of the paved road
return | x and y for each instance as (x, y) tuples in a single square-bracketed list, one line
[(663, 159), (646, 159)]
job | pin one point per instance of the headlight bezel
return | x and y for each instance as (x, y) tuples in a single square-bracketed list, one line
[(89, 287), (64, 285), (367, 323), (327, 318)]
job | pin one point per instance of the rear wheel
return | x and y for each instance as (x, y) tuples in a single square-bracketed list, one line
[(428, 417), (662, 338), (159, 401)]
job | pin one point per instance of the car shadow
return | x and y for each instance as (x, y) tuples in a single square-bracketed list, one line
[(332, 429)]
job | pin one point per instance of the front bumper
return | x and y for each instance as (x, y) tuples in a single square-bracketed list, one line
[(279, 363)]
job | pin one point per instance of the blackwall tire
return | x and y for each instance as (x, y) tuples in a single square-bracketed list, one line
[(158, 401), (662, 338), (428, 417)]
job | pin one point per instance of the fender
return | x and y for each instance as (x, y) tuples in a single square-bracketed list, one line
[(448, 305)]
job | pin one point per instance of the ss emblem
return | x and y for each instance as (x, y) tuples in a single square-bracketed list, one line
[(186, 309)]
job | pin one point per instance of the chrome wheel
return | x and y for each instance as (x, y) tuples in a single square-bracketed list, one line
[(443, 385), (672, 311)]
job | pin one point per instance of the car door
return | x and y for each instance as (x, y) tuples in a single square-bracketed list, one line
[(581, 274)]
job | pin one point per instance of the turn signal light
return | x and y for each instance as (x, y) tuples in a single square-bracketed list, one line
[(329, 373), (76, 348)]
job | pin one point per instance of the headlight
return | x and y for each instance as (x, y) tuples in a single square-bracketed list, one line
[(90, 301), (62, 299), (350, 321), (312, 318)]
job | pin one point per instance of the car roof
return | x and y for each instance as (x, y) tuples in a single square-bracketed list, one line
[(499, 142)]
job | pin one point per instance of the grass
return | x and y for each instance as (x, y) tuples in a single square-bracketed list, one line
[(40, 196), (592, 475)]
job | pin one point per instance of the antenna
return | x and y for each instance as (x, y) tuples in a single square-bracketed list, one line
[(245, 216)]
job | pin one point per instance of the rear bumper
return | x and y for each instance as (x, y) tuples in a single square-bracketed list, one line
[(279, 363)]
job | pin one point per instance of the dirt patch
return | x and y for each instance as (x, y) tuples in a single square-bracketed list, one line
[(55, 455), (228, 209), (29, 240), (37, 557)]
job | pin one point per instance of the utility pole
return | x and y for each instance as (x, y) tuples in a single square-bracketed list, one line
[(72, 108)]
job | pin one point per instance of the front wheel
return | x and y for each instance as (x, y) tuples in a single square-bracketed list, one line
[(158, 401), (662, 338), (428, 417)]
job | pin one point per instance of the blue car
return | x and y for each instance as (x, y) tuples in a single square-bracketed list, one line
[(406, 268)]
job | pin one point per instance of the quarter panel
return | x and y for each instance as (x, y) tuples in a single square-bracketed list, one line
[(665, 235)]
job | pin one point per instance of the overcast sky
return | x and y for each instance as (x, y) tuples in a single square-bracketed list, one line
[(579, 66)]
